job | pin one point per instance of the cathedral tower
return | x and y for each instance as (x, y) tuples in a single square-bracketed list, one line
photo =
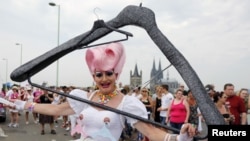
[(135, 78)]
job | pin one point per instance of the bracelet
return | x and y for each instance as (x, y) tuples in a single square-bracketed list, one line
[(172, 137), (31, 107)]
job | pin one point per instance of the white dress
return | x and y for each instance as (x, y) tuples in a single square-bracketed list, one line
[(93, 119)]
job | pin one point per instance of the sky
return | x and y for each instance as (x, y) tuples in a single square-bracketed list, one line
[(214, 36)]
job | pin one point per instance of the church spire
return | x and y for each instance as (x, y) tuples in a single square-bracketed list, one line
[(160, 70), (136, 73), (153, 71)]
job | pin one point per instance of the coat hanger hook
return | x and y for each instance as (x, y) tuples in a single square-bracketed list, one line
[(96, 13), (140, 4)]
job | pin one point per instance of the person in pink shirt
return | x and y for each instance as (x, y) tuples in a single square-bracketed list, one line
[(37, 93), (13, 112), (179, 111)]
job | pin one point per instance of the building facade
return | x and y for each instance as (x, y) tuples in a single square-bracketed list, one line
[(156, 78), (135, 78)]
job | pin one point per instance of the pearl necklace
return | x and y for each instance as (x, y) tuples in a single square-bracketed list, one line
[(105, 98)]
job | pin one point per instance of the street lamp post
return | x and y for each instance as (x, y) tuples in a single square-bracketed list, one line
[(6, 79), (21, 56), (58, 37)]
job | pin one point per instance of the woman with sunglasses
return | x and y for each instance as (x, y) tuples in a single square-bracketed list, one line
[(105, 64), (147, 101), (223, 107)]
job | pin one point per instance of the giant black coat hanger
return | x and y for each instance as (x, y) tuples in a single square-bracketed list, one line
[(144, 18)]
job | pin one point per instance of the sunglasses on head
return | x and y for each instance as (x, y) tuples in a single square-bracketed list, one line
[(107, 73)]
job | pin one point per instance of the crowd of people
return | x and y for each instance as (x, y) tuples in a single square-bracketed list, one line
[(37, 95), (178, 109), (162, 106)]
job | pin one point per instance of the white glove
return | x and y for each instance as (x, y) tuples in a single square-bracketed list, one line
[(19, 105), (6, 102), (184, 137)]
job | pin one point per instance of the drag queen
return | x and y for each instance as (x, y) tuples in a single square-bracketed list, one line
[(105, 64)]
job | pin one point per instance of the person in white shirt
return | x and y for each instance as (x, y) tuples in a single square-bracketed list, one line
[(137, 92), (29, 97), (166, 99)]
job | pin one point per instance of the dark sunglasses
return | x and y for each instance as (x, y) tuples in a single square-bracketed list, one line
[(107, 73)]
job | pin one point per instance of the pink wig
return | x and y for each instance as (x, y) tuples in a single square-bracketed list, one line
[(106, 57)]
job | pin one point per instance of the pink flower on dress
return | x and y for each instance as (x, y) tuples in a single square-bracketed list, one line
[(78, 128)]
